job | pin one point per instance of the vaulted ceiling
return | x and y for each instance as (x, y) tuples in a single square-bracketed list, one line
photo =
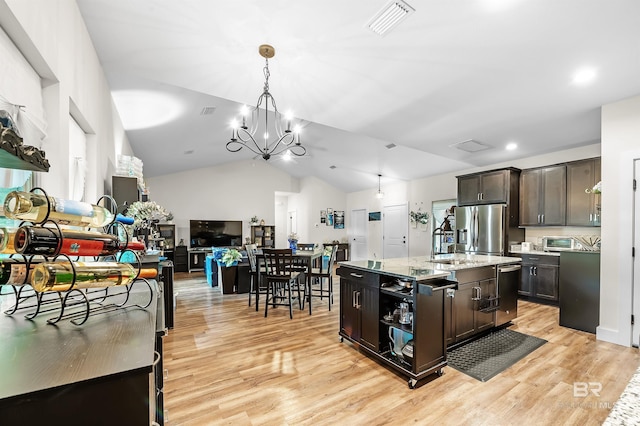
[(493, 71)]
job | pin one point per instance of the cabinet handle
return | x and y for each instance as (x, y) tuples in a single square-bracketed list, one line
[(535, 271), (538, 220), (542, 218), (530, 271), (353, 299), (590, 217), (477, 293), (358, 300), (353, 274), (157, 358)]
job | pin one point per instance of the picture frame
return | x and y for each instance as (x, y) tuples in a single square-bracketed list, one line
[(375, 216), (338, 219)]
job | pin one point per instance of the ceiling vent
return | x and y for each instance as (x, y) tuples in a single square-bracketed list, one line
[(208, 110), (391, 145), (471, 146), (389, 17), (332, 167)]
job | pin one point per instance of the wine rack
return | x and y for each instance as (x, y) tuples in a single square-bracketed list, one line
[(42, 276)]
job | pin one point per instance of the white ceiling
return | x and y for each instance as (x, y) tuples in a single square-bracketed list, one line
[(495, 71)]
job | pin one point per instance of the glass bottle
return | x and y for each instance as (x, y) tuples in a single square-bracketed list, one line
[(14, 272), (7, 237), (58, 276), (47, 242), (37, 208)]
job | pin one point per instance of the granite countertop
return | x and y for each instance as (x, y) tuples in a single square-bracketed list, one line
[(421, 268)]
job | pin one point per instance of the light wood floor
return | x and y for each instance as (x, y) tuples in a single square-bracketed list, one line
[(227, 364)]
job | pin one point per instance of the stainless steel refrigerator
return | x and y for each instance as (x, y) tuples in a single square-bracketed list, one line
[(481, 229)]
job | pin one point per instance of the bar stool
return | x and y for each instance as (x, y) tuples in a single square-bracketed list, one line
[(281, 280), (257, 283), (320, 275)]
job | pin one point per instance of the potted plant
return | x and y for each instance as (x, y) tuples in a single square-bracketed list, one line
[(419, 218), (227, 260), (254, 220)]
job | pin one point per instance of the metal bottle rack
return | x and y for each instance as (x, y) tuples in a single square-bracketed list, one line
[(74, 304)]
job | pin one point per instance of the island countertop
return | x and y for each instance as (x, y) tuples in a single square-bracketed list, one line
[(422, 268)]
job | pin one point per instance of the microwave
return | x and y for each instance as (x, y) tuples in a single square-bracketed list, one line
[(560, 244)]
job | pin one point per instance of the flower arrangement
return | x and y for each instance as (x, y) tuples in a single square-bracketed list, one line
[(144, 213), (254, 220), (597, 189), (226, 256), (419, 217), (293, 236)]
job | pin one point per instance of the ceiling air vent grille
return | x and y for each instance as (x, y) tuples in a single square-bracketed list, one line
[(389, 17), (390, 146), (208, 110), (471, 146)]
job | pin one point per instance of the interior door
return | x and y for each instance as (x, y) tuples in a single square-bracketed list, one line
[(635, 328), (358, 230), (395, 231)]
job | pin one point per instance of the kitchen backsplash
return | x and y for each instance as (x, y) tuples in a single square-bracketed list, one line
[(535, 235)]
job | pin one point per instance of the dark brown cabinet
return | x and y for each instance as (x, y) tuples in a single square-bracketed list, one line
[(543, 196), (360, 307), (539, 278), (467, 317), (583, 207), (490, 187)]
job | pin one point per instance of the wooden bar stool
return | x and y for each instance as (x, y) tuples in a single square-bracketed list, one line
[(281, 280)]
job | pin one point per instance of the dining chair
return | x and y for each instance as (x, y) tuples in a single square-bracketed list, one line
[(322, 274), (281, 280), (257, 286)]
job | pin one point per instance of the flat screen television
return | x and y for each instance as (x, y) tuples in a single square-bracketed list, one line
[(215, 233)]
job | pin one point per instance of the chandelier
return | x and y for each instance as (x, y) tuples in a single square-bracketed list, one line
[(287, 135)]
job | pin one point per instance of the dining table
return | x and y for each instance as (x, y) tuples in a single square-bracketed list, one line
[(301, 257)]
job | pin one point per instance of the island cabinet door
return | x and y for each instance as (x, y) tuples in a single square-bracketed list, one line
[(463, 312), (485, 320), (349, 314), (369, 304), (429, 323)]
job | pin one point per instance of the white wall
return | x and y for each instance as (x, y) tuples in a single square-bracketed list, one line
[(56, 43), (316, 195), (233, 191), (620, 146)]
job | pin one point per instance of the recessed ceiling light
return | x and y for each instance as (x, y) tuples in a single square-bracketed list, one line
[(511, 146), (584, 76)]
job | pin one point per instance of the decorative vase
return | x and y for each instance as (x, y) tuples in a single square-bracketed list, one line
[(414, 224), (293, 245), (262, 222), (228, 278)]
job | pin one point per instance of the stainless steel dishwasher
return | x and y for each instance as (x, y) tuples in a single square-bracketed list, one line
[(508, 282)]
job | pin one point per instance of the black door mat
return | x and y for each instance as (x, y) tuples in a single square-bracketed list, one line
[(491, 354)]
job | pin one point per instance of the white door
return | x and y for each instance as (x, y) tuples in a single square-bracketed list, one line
[(358, 231), (635, 328), (395, 231)]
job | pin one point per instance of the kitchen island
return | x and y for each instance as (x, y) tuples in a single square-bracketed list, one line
[(371, 291)]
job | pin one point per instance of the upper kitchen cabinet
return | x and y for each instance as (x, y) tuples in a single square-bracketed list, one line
[(583, 206), (490, 187), (543, 196)]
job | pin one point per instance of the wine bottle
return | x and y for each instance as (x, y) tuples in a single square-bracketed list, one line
[(37, 208), (58, 276), (7, 237), (51, 242), (14, 272)]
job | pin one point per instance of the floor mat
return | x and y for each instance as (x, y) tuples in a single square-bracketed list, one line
[(491, 354)]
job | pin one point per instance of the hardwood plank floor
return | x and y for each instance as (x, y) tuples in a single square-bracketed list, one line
[(227, 364)]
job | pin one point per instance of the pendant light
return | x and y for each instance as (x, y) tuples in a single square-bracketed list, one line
[(379, 194)]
